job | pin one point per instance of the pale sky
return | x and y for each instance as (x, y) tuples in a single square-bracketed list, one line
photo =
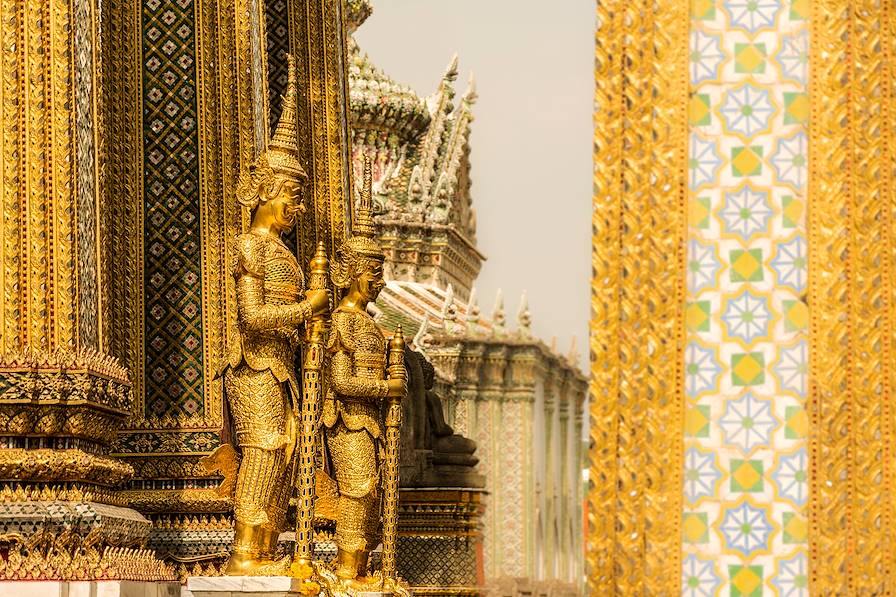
[(530, 142)]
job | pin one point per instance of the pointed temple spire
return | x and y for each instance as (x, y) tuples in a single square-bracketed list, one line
[(523, 317)]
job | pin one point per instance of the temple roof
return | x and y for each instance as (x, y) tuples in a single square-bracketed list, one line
[(420, 149), (433, 318), (379, 103)]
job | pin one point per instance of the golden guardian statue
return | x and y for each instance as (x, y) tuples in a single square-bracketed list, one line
[(358, 390), (259, 378)]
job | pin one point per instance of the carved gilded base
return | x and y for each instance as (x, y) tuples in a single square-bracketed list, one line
[(84, 395), (49, 492), (67, 540), (58, 466), (192, 539), (70, 556), (177, 501), (370, 586)]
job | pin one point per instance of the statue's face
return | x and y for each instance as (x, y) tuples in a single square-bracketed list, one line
[(371, 282), (287, 205)]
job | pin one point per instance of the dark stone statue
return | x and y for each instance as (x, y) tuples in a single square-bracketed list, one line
[(432, 454)]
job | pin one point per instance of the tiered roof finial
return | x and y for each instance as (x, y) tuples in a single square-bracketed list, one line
[(523, 317), (573, 355), (498, 317)]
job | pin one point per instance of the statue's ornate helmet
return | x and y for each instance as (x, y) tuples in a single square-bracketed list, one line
[(362, 245), (283, 148), (281, 157)]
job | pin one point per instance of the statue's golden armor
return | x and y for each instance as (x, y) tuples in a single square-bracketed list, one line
[(353, 422), (269, 285)]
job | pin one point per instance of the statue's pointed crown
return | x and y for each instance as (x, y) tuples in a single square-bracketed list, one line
[(363, 223), (283, 148), (363, 239)]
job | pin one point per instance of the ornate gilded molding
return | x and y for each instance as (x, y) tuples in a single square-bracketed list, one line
[(51, 492), (851, 241), (68, 556), (82, 394), (45, 465), (162, 465), (639, 224), (168, 501)]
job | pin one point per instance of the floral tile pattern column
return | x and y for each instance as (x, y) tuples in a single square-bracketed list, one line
[(744, 522)]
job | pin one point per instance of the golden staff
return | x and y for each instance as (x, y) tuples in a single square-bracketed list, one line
[(395, 370), (312, 391)]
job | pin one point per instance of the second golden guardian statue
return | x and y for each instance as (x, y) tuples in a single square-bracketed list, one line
[(346, 411)]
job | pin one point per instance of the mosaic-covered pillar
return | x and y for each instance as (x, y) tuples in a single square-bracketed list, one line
[(63, 396), (745, 446), (638, 292), (187, 90), (753, 399), (183, 120)]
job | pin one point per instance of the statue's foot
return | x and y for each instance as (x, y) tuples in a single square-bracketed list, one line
[(238, 564), (269, 567), (248, 566), (365, 584)]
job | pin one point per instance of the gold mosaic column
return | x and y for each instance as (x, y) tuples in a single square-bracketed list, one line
[(789, 424), (183, 117), (639, 224), (851, 298), (61, 397)]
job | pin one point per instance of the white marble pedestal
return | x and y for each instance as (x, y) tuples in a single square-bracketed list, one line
[(242, 586), (88, 588), (252, 586)]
